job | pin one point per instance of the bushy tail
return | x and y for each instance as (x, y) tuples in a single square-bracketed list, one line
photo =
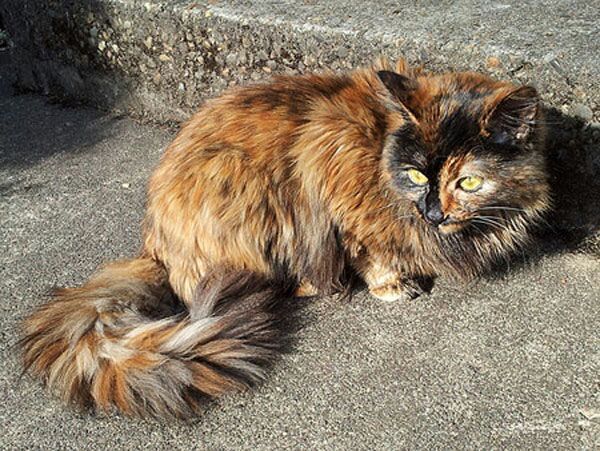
[(116, 343)]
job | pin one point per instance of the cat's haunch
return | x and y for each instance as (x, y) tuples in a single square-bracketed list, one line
[(392, 173)]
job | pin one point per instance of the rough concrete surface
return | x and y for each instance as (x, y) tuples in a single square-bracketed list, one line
[(160, 58), (509, 362)]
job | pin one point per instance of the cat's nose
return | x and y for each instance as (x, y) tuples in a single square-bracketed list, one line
[(434, 216)]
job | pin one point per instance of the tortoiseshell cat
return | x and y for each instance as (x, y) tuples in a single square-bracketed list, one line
[(397, 175)]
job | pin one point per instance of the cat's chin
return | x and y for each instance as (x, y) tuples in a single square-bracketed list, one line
[(447, 229)]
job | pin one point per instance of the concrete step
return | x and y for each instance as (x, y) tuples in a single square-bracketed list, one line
[(161, 58)]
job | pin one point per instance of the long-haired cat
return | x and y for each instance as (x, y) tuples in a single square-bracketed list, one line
[(392, 173)]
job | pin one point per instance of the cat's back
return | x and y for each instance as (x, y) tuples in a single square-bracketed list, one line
[(261, 117), (265, 118)]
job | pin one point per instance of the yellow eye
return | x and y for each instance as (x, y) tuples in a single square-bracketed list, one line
[(417, 177), (471, 183)]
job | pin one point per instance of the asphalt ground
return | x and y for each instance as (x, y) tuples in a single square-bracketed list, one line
[(511, 361)]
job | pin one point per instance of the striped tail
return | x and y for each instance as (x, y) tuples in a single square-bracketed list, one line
[(117, 343)]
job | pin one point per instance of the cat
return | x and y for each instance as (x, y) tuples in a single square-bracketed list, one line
[(282, 189)]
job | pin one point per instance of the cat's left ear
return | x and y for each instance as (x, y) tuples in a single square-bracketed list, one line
[(399, 87), (511, 116)]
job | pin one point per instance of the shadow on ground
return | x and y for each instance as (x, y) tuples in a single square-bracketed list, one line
[(83, 129), (573, 225), (574, 164)]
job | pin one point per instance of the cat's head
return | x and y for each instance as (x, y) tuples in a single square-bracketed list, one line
[(468, 155)]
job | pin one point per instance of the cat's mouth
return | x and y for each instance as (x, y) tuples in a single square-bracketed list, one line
[(446, 224), (451, 223)]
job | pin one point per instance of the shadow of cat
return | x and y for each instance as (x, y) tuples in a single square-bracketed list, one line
[(573, 225)]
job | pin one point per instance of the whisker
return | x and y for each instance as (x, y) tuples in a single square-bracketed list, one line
[(485, 220), (540, 218), (392, 205), (502, 255), (481, 221), (480, 230), (502, 207), (495, 219)]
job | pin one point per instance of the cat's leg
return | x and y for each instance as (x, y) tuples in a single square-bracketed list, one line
[(389, 284)]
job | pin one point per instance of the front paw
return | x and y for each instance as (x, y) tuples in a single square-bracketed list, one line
[(402, 290), (305, 289)]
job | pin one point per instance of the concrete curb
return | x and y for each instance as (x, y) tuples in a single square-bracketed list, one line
[(159, 59)]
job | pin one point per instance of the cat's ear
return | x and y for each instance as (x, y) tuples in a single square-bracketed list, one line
[(511, 116), (398, 86)]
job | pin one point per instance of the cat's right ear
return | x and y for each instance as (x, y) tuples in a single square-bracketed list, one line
[(398, 86), (512, 115)]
